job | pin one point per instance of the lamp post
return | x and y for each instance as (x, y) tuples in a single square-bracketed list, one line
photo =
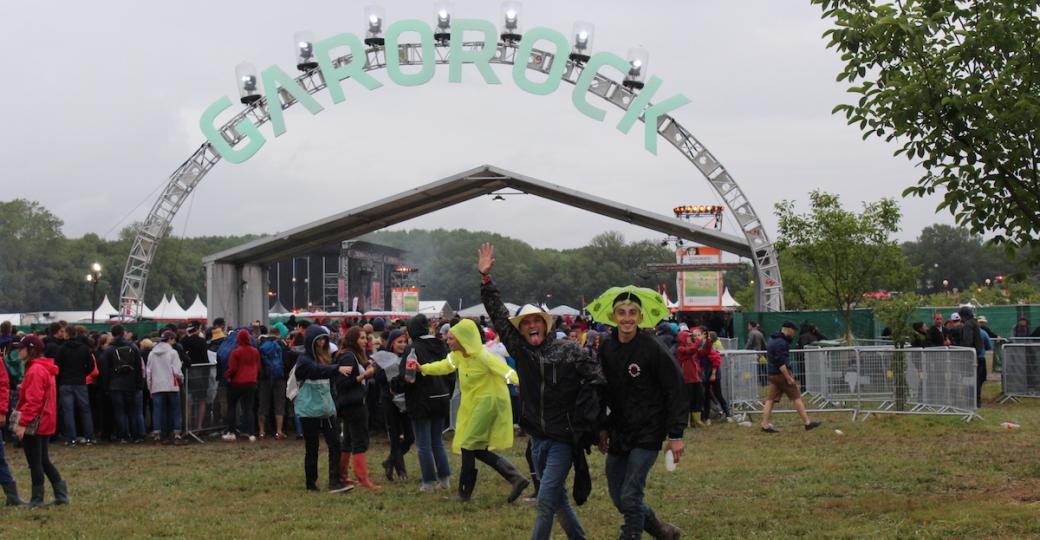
[(92, 278)]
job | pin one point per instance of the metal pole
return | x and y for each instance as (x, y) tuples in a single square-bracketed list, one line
[(93, 298)]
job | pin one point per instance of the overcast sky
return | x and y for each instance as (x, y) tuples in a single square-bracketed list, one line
[(102, 103)]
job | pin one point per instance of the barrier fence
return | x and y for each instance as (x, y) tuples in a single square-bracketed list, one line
[(1021, 376), (202, 410), (862, 380)]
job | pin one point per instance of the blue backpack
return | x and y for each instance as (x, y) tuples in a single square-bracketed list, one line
[(226, 348), (271, 356)]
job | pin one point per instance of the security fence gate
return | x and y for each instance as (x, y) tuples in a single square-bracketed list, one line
[(862, 380), (1021, 376)]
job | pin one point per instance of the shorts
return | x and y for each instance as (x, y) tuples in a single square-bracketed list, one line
[(778, 386), (272, 391)]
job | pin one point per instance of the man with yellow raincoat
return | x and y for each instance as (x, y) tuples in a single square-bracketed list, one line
[(485, 419)]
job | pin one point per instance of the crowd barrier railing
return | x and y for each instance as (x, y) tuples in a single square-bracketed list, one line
[(862, 380), (202, 412), (1021, 376)]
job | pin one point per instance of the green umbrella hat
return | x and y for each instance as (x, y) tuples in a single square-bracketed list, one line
[(654, 307)]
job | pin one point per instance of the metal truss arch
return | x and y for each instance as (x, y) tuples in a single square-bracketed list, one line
[(187, 176)]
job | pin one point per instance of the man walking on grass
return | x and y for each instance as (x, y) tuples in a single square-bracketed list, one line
[(553, 372), (647, 404), (781, 380)]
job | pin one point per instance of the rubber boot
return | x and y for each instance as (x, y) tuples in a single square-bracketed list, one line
[(61, 493), (11, 491), (467, 481), (37, 496), (361, 471), (503, 467), (344, 468), (660, 529), (388, 468)]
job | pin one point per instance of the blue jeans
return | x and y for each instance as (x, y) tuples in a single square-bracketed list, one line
[(5, 472), (626, 480), (166, 404), (128, 408), (75, 403), (553, 461), (433, 460)]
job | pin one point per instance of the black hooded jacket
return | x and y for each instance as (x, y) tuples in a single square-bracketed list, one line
[(75, 361), (645, 393), (429, 396), (561, 386)]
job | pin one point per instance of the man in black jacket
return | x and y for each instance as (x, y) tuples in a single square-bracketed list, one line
[(427, 402), (554, 410), (122, 373), (647, 404), (75, 361), (971, 337)]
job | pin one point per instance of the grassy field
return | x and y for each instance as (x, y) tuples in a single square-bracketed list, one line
[(886, 477)]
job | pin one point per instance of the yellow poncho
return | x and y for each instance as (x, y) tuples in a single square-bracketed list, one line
[(485, 419)]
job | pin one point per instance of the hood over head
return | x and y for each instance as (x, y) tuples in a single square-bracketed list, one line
[(418, 326), (313, 332), (468, 335), (664, 328), (282, 330), (242, 338)]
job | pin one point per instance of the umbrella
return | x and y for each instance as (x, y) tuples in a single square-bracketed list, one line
[(389, 361), (654, 307)]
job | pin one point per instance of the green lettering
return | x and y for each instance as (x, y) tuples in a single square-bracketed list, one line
[(559, 63), (588, 74), (274, 78), (255, 140), (481, 59), (393, 58), (354, 70), (651, 114)]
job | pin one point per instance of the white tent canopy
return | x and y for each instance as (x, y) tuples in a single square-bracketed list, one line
[(436, 308), (564, 311), (169, 310), (478, 311), (105, 311), (728, 302), (197, 310)]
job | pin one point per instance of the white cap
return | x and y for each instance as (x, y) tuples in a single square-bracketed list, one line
[(955, 317)]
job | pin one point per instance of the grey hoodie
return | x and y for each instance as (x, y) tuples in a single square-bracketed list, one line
[(164, 365)]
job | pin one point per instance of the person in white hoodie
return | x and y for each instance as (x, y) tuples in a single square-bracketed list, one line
[(164, 376)]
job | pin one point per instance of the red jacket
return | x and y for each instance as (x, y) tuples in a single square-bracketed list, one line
[(38, 396), (5, 391), (687, 357), (244, 363), (706, 352)]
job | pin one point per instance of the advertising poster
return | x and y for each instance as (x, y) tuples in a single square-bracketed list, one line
[(700, 290)]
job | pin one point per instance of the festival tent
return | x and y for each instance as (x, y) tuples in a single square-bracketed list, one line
[(278, 309), (169, 310), (477, 311), (436, 309), (197, 310), (149, 313), (13, 318), (564, 311), (388, 314), (104, 312), (728, 302)]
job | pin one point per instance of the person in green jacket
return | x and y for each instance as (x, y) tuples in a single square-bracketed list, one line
[(485, 419)]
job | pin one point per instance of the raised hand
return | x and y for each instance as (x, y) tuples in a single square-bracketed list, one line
[(485, 258)]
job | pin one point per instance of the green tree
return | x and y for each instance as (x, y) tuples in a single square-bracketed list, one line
[(957, 83), (956, 256), (897, 314), (846, 254), (30, 240)]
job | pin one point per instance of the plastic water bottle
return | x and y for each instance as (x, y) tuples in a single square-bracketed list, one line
[(409, 367), (1010, 425), (669, 460)]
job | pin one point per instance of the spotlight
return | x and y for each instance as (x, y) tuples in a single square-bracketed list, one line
[(374, 17), (443, 31), (246, 76), (583, 33), (511, 12), (304, 41), (637, 60)]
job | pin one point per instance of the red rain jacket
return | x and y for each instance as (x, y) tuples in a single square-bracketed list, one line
[(38, 396)]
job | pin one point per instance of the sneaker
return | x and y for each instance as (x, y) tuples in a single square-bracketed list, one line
[(178, 440), (444, 483), (770, 429), (426, 488), (812, 425), (730, 419), (139, 440), (71, 443), (707, 422), (299, 436), (261, 436), (340, 487), (156, 438), (252, 438), (123, 441), (229, 437), (280, 436), (91, 442)]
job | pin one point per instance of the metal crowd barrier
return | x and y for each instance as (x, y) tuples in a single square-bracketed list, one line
[(201, 410), (1021, 376), (863, 380)]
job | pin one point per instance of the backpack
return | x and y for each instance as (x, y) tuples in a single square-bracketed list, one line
[(271, 356), (123, 358)]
